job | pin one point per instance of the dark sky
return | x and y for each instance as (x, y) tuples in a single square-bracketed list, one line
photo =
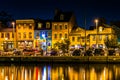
[(44, 9)]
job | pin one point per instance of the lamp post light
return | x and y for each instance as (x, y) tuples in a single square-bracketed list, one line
[(13, 23), (96, 22)]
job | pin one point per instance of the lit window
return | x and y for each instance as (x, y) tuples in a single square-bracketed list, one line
[(100, 29), (60, 36), (65, 35), (49, 34), (65, 26), (47, 25), (7, 35), (100, 37), (78, 39), (93, 37), (19, 26), (24, 26), (30, 34), (107, 37), (39, 25), (30, 26), (24, 35), (73, 39), (83, 40), (2, 35), (60, 27), (19, 35), (55, 36), (55, 27)]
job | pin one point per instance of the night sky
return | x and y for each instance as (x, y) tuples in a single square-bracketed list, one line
[(44, 9)]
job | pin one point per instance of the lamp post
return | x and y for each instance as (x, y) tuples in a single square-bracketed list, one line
[(96, 21), (6, 44), (13, 23)]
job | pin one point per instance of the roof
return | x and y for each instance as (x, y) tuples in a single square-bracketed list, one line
[(43, 26), (10, 29), (66, 16)]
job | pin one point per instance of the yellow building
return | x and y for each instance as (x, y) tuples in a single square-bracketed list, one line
[(80, 37), (25, 33), (62, 25), (7, 38)]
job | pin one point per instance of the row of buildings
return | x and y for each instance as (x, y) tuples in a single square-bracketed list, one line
[(37, 33)]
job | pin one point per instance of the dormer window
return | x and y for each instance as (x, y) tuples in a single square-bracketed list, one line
[(61, 17), (47, 25), (19, 26), (39, 25), (100, 29)]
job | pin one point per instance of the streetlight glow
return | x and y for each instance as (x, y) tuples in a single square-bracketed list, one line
[(13, 24), (96, 21)]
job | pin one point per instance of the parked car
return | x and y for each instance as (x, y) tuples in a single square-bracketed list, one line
[(88, 53), (76, 52), (99, 52), (28, 52), (111, 52), (53, 52)]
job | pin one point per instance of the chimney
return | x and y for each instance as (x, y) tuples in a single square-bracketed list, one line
[(57, 11)]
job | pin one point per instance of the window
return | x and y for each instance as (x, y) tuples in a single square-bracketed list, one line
[(100, 29), (107, 37), (7, 35), (83, 40), (61, 17), (55, 36), (55, 27), (65, 26), (39, 25), (78, 39), (49, 34), (65, 35), (100, 37), (30, 34), (24, 35), (19, 35), (30, 26), (73, 39), (93, 37), (19, 26), (2, 35), (60, 27), (60, 36), (24, 27), (47, 25), (37, 35)]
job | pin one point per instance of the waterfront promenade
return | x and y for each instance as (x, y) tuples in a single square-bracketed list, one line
[(61, 59)]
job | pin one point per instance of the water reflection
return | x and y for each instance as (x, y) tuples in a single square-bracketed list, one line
[(60, 72)]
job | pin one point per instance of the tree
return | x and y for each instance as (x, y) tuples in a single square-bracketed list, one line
[(64, 45), (111, 43)]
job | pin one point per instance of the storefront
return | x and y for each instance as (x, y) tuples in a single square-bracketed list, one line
[(27, 44)]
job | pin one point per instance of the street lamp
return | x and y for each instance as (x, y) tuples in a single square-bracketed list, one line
[(6, 44), (96, 21), (13, 23)]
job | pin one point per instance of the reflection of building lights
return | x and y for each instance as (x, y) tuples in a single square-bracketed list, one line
[(12, 76), (49, 72), (44, 74), (6, 77), (25, 74), (30, 74)]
